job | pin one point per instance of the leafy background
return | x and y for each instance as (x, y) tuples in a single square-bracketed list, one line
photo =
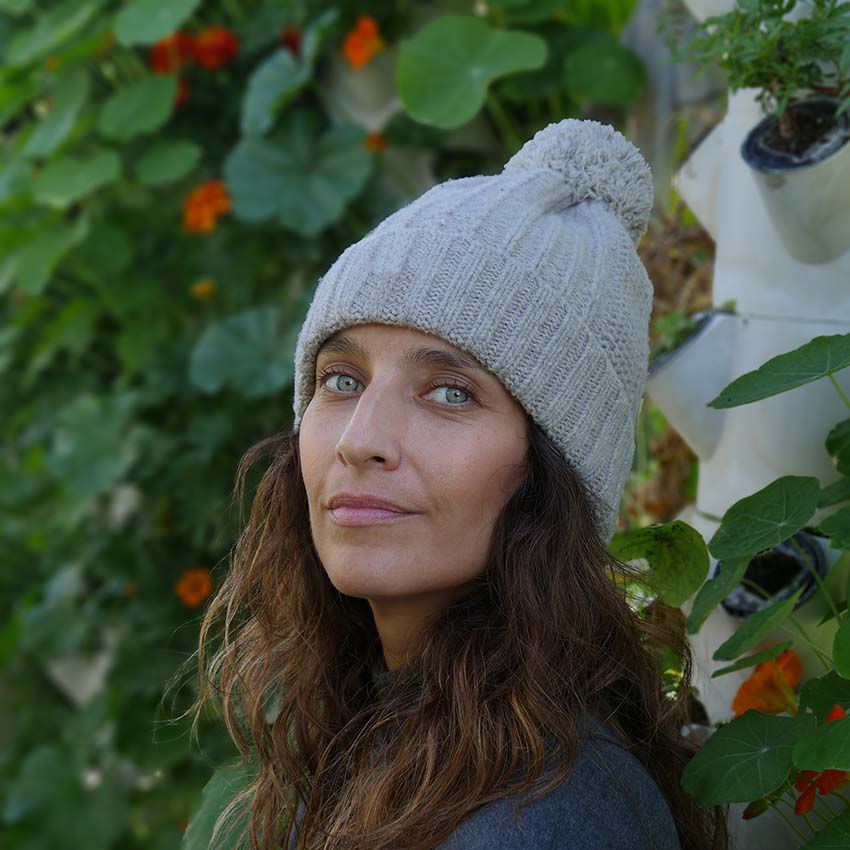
[(175, 176)]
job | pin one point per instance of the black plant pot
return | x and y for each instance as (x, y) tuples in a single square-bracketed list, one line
[(807, 193)]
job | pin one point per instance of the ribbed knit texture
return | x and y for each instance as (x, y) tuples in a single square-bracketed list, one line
[(533, 271)]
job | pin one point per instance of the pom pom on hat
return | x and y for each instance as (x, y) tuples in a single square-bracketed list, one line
[(597, 163)]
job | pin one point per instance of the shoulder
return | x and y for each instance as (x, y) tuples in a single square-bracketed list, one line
[(609, 801)]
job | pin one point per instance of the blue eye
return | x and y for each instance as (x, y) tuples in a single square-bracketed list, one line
[(435, 385)]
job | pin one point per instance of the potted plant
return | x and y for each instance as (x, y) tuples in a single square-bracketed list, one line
[(798, 58)]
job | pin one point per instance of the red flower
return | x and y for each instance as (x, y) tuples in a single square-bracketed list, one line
[(215, 47), (290, 37), (811, 782), (171, 53), (362, 42)]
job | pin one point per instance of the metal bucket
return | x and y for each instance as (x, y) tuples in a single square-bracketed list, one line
[(807, 197)]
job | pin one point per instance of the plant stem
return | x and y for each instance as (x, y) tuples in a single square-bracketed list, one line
[(788, 820), (824, 659), (817, 577), (838, 389), (509, 135)]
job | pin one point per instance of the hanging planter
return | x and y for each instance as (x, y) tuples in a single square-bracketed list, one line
[(804, 177), (797, 60)]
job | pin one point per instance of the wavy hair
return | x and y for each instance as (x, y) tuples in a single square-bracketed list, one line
[(544, 636)]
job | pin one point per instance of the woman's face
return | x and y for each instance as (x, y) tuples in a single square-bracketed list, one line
[(402, 422)]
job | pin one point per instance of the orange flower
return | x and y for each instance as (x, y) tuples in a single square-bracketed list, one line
[(182, 92), (215, 47), (204, 205), (171, 53), (376, 141), (290, 37), (194, 586), (362, 42), (203, 289), (770, 688), (811, 782)]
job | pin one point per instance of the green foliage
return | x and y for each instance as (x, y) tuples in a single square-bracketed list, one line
[(147, 335), (759, 48)]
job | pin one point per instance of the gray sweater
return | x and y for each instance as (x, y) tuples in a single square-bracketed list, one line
[(609, 801)]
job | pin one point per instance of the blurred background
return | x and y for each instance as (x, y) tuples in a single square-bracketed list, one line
[(175, 175)]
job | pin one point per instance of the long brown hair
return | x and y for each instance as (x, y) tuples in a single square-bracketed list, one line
[(544, 636)]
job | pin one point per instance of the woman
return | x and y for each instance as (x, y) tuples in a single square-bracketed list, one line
[(426, 643)]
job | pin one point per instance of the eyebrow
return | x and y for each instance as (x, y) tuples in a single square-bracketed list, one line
[(416, 356)]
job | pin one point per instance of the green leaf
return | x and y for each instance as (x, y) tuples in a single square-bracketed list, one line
[(821, 356), (756, 628), (605, 71), (51, 29), (838, 491), (303, 179), (835, 835), (94, 444), (277, 80), (35, 260), (225, 784), (766, 518), (838, 446), (147, 21), (821, 694), (830, 615), (676, 554), (70, 96), (141, 106), (752, 660), (744, 759), (444, 70), (841, 649), (245, 352), (715, 590), (68, 179), (167, 161), (272, 85), (837, 528), (825, 748)]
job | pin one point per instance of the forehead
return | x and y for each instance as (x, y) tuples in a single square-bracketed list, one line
[(416, 347)]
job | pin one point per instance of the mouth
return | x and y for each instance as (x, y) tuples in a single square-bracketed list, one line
[(351, 517)]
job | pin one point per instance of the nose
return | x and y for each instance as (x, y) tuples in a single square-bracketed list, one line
[(375, 427)]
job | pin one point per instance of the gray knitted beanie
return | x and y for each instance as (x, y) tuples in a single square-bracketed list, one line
[(534, 272)]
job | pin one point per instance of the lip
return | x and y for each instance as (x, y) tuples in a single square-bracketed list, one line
[(356, 509), (366, 516)]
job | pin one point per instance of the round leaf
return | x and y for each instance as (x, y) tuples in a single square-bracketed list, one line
[(147, 21), (825, 748), (68, 179), (604, 71), (744, 759), (140, 107), (766, 518), (224, 785), (245, 352), (272, 85), (443, 71), (677, 557), (167, 161), (303, 180)]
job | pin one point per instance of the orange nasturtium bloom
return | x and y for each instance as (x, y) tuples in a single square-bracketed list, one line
[(362, 42), (822, 781), (376, 141), (214, 47), (171, 53), (204, 205), (770, 688), (203, 289), (194, 586)]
